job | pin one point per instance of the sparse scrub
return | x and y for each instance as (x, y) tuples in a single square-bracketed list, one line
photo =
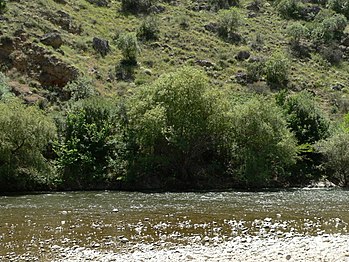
[(149, 28), (340, 6), (289, 8), (128, 44), (276, 70), (136, 6), (228, 23)]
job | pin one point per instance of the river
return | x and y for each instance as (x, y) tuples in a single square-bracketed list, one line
[(39, 226)]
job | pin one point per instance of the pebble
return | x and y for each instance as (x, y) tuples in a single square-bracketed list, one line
[(237, 249)]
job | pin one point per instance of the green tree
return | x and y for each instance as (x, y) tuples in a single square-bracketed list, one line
[(80, 88), (173, 121), (128, 44), (25, 133), (264, 145), (289, 8), (304, 118), (91, 148), (336, 152)]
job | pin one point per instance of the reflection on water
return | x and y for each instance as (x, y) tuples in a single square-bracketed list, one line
[(34, 225)]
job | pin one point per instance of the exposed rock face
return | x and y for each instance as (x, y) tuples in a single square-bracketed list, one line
[(35, 61), (63, 20), (100, 3), (101, 46), (52, 39), (49, 69)]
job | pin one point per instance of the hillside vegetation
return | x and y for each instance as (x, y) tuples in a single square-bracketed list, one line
[(182, 94)]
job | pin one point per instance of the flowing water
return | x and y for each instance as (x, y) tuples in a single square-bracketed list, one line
[(33, 226)]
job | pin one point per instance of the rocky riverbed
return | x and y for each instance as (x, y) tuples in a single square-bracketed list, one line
[(302, 248)]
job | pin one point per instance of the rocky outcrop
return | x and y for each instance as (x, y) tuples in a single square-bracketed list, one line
[(101, 46), (64, 20), (36, 62), (242, 55), (52, 39)]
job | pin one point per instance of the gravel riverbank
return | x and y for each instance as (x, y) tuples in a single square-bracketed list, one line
[(303, 248)]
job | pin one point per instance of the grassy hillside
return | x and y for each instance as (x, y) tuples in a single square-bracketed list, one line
[(173, 94), (183, 40)]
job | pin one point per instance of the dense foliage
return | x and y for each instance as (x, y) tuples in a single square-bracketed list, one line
[(25, 133)]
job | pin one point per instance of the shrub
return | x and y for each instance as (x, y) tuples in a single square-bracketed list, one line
[(174, 121), (80, 88), (340, 6), (223, 4), (255, 71), (228, 22), (136, 6), (90, 149), (336, 152), (149, 29), (329, 29), (25, 133), (2, 6), (289, 8), (304, 118), (4, 89), (128, 44), (265, 146), (184, 22), (296, 31), (276, 69), (332, 54)]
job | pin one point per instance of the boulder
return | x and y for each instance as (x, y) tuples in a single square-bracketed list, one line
[(101, 46), (52, 39), (100, 3), (243, 55), (205, 63)]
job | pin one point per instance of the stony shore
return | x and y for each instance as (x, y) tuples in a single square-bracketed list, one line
[(302, 248)]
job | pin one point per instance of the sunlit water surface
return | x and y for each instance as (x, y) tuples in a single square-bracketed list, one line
[(36, 224)]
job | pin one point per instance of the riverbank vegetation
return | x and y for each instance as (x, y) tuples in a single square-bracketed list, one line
[(185, 95)]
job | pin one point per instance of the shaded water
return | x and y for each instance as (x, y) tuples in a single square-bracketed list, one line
[(33, 226)]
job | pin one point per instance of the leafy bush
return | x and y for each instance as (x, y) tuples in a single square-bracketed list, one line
[(336, 152), (223, 4), (332, 54), (4, 89), (328, 28), (296, 31), (276, 69), (136, 6), (174, 121), (91, 149), (265, 146), (128, 44), (340, 6), (228, 22), (149, 29), (2, 6), (255, 71), (25, 133), (304, 118), (289, 8), (80, 88)]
